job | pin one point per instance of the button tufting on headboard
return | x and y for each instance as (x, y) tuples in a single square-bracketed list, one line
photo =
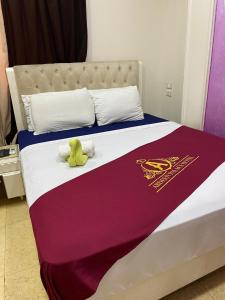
[(32, 79)]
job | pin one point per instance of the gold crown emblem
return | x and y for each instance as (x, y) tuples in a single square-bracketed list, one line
[(153, 167)]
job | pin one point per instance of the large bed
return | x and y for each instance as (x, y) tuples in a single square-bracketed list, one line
[(187, 245)]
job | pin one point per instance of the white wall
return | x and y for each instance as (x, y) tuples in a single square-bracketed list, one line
[(200, 25), (149, 30)]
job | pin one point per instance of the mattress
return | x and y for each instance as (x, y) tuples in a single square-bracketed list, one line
[(194, 228), (26, 138)]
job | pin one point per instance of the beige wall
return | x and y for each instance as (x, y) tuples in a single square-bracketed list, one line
[(149, 30)]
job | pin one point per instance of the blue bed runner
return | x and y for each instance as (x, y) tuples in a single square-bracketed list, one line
[(26, 138)]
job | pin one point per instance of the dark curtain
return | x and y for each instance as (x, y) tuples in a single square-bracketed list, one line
[(45, 31)]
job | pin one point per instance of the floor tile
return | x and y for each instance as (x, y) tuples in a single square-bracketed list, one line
[(215, 283), (2, 296), (195, 291), (20, 252), (16, 210), (2, 251), (25, 285)]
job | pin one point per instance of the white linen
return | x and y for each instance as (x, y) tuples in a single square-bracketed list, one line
[(88, 148), (43, 170), (117, 105), (194, 228), (55, 111)]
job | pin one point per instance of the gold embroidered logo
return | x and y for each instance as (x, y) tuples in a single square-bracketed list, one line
[(161, 171)]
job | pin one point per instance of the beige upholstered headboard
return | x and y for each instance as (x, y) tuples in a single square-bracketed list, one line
[(32, 79)]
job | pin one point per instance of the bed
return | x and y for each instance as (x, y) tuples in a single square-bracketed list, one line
[(187, 245)]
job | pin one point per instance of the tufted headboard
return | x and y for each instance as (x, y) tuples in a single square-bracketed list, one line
[(33, 79)]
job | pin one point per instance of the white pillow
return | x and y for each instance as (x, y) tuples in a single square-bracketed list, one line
[(117, 105), (57, 111), (26, 102)]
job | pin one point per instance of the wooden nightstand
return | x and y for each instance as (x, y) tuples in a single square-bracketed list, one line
[(11, 175)]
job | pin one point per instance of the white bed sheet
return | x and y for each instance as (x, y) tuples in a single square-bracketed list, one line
[(194, 228)]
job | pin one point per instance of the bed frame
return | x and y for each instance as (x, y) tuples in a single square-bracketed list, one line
[(32, 79)]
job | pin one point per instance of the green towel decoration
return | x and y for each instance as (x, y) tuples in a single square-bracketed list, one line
[(76, 158)]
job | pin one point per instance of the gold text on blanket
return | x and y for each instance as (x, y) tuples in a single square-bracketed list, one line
[(161, 171)]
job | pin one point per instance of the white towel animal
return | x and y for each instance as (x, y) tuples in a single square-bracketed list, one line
[(87, 147)]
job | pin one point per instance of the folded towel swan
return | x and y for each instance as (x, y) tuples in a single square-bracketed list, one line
[(67, 152), (76, 157)]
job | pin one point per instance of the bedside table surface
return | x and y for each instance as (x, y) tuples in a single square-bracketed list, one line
[(10, 163), (11, 174)]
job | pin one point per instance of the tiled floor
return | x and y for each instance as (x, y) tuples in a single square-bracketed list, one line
[(19, 268)]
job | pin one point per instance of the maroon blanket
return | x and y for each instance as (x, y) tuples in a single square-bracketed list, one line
[(83, 226)]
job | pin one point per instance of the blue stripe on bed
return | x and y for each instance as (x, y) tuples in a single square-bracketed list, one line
[(26, 138)]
